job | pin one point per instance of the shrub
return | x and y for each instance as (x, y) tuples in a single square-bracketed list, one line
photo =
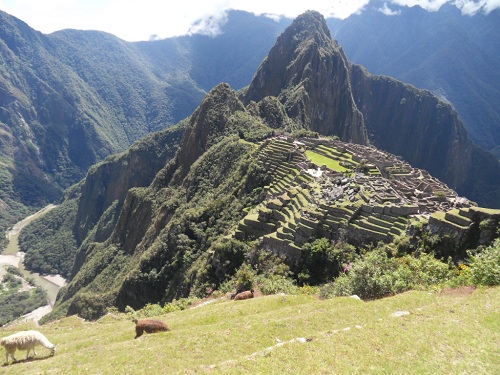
[(485, 266), (322, 260), (14, 271), (12, 281), (274, 284), (242, 280), (377, 275), (304, 133)]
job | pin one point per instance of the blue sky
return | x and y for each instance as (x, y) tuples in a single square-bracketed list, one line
[(134, 20)]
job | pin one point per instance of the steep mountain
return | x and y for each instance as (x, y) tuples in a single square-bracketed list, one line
[(309, 73), (240, 184), (311, 76), (71, 98), (453, 55), (68, 100), (427, 133)]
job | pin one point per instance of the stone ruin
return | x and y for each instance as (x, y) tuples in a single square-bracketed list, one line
[(377, 202)]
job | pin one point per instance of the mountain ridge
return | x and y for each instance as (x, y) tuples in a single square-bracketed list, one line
[(446, 52), (76, 117), (236, 184)]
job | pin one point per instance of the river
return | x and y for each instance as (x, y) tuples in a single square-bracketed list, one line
[(13, 257)]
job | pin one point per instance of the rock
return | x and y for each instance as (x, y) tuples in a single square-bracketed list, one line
[(397, 314)]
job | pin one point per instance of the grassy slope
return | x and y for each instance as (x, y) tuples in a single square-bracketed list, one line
[(446, 332)]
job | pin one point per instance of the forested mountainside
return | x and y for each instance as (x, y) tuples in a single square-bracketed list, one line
[(67, 101), (251, 171), (71, 98), (453, 55)]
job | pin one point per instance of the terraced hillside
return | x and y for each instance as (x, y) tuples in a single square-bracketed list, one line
[(340, 191)]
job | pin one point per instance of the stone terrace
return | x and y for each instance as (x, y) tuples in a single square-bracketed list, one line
[(372, 201)]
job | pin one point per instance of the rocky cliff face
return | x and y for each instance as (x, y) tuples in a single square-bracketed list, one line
[(208, 124), (111, 180), (427, 133), (446, 52), (308, 71)]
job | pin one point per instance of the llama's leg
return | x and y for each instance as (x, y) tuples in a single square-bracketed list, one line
[(33, 352), (138, 332), (28, 353), (12, 356)]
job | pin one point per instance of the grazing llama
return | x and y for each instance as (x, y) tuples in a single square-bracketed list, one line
[(25, 340), (244, 295), (149, 326)]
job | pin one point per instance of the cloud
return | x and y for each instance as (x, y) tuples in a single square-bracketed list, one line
[(329, 8), (470, 7), (430, 5), (388, 11), (210, 25), (133, 20), (491, 5)]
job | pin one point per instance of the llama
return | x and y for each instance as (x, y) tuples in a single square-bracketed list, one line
[(149, 326), (244, 295), (25, 340)]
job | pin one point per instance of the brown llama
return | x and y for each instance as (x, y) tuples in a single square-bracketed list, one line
[(149, 326), (244, 295)]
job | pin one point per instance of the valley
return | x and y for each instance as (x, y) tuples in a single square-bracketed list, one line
[(12, 256), (312, 176)]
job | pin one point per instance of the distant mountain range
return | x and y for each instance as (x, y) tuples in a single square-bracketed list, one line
[(453, 55), (69, 99), (289, 159)]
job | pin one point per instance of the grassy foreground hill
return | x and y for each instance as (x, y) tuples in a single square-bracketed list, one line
[(447, 332)]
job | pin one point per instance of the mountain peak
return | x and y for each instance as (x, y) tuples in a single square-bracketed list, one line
[(209, 123), (310, 74), (310, 24)]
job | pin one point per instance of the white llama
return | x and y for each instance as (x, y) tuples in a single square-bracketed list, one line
[(25, 340)]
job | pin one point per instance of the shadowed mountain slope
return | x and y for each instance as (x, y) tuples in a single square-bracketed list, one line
[(453, 55), (71, 98), (236, 183)]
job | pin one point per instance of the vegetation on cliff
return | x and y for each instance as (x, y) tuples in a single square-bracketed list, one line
[(230, 195), (17, 295)]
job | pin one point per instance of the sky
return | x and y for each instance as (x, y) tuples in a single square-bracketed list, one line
[(134, 20)]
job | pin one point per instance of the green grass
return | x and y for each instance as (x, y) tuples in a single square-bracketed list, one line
[(445, 332), (491, 211), (320, 160), (440, 215)]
